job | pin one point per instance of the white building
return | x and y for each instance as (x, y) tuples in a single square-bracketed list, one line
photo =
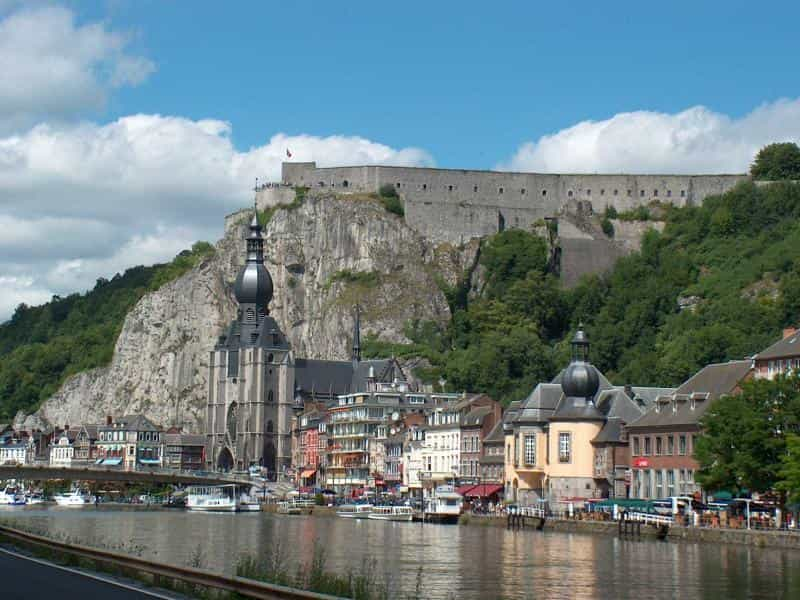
[(62, 452), (16, 454), (412, 462), (441, 451)]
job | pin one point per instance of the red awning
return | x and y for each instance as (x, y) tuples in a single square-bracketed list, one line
[(307, 473), (484, 490), (465, 488)]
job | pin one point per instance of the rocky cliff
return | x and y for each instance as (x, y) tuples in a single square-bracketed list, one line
[(325, 255)]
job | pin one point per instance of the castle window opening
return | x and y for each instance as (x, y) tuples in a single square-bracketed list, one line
[(475, 188), (602, 192), (500, 190), (333, 184), (544, 192), (655, 192), (397, 184), (321, 184), (569, 193), (683, 193), (588, 192), (345, 183), (629, 193), (449, 188), (616, 192), (270, 357), (424, 186), (522, 191), (641, 193), (669, 193)]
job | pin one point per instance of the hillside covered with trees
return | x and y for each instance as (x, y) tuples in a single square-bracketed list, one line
[(719, 283), (43, 345)]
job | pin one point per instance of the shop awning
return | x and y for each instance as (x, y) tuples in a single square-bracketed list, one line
[(462, 490), (99, 461), (484, 490), (112, 461), (307, 473), (149, 461)]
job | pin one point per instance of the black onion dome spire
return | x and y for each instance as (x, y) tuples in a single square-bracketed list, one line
[(357, 336), (580, 379), (254, 284)]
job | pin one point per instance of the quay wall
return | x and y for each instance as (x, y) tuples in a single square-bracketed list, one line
[(454, 205)]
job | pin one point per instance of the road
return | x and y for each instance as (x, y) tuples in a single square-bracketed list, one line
[(25, 578)]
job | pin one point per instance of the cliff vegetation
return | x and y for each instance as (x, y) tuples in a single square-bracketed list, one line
[(43, 345), (718, 283)]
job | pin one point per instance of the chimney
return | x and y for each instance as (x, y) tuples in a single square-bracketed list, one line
[(109, 420), (789, 331)]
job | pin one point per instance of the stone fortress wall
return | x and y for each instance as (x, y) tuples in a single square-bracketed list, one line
[(454, 205)]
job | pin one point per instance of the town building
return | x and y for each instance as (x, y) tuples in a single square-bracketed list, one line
[(475, 427), (566, 441), (85, 445), (662, 440), (62, 450), (413, 466), (184, 451), (311, 463), (492, 461), (780, 358), (16, 453), (130, 442)]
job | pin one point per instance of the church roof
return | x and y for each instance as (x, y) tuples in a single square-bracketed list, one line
[(329, 378)]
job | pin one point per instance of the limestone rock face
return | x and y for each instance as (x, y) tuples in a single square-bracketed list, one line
[(324, 257)]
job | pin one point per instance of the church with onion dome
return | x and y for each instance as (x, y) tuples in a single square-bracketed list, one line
[(566, 441), (256, 383)]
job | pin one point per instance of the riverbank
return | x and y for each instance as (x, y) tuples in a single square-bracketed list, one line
[(758, 538)]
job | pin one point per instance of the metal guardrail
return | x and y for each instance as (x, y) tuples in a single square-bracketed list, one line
[(107, 474), (248, 588)]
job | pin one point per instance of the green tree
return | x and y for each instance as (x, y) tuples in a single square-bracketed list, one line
[(777, 161), (789, 472)]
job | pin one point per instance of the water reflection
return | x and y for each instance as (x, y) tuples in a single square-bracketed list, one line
[(459, 562)]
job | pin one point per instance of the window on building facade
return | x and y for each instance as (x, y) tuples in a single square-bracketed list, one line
[(544, 192), (683, 193), (630, 193), (669, 193), (233, 363), (670, 482), (616, 192), (670, 445), (655, 192), (569, 193), (564, 447), (530, 449), (500, 190), (682, 445), (522, 191), (641, 193), (588, 192), (449, 188), (659, 483), (647, 446), (659, 443)]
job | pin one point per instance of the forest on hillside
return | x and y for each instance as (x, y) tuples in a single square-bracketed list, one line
[(719, 283), (41, 346)]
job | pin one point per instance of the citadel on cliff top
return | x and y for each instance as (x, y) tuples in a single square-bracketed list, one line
[(455, 205)]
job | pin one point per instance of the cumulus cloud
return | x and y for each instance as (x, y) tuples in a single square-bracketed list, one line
[(54, 68), (82, 201), (696, 140)]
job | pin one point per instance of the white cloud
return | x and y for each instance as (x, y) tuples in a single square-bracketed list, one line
[(83, 201), (696, 140), (53, 68)]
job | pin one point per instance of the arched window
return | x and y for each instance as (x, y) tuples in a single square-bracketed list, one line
[(270, 397), (345, 183), (232, 417), (270, 357), (269, 427)]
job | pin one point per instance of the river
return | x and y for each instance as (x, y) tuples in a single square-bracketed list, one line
[(464, 562)]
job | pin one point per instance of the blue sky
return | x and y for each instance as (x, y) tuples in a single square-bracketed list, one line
[(467, 81), (128, 129)]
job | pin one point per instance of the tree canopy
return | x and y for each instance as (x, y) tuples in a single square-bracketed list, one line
[(776, 162)]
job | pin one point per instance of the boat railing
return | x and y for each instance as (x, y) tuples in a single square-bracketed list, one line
[(649, 518)]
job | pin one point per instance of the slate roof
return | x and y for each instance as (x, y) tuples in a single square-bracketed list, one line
[(184, 439), (131, 423), (611, 431), (337, 377), (705, 386), (476, 416), (539, 406), (788, 346), (496, 435)]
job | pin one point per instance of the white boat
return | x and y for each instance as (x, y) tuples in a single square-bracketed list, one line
[(392, 513), (211, 498), (12, 496), (35, 498), (74, 498), (248, 503), (354, 511), (444, 505)]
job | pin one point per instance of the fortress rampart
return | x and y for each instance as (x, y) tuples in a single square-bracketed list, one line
[(454, 205)]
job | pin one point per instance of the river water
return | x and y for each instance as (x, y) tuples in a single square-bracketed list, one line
[(457, 561)]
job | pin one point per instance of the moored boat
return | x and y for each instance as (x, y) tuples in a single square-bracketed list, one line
[(12, 496), (392, 513), (211, 498), (75, 498), (355, 511), (443, 506)]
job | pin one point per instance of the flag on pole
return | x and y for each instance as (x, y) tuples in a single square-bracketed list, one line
[(288, 154)]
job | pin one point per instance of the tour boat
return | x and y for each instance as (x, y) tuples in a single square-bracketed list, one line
[(12, 496), (392, 513), (34, 498), (248, 503), (75, 498), (443, 506), (355, 511), (211, 498)]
